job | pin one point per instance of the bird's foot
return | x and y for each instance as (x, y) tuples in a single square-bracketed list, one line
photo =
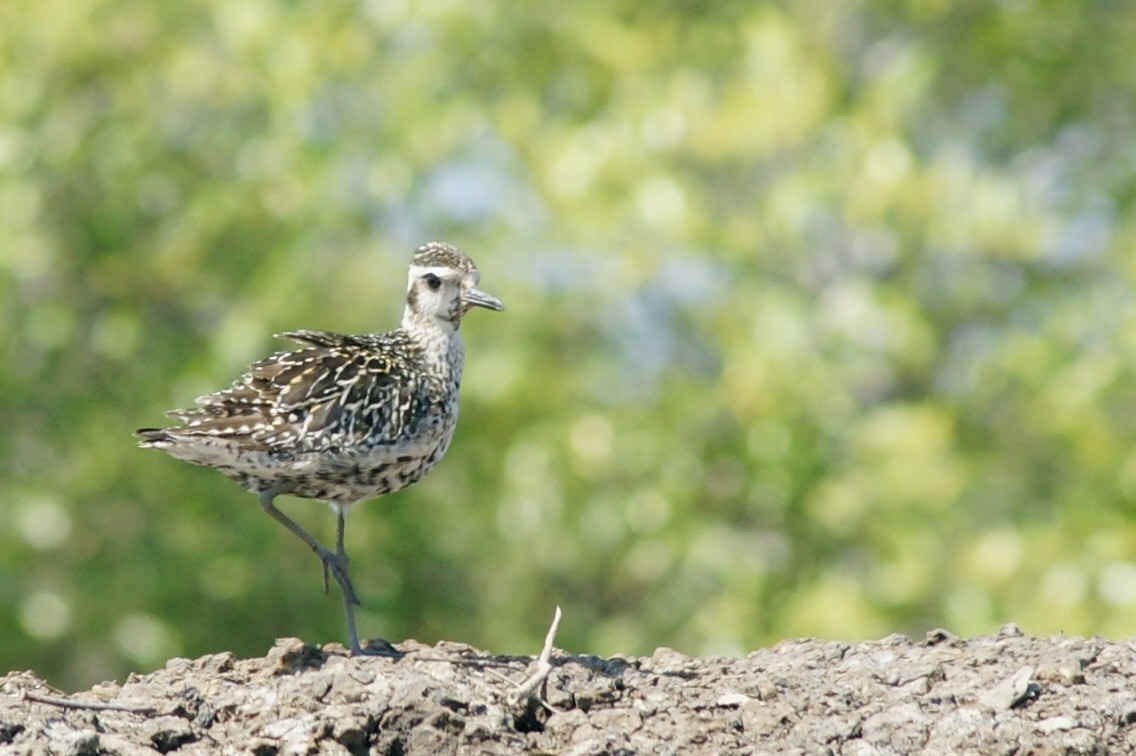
[(377, 647)]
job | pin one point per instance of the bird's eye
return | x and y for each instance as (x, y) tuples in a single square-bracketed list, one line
[(432, 280)]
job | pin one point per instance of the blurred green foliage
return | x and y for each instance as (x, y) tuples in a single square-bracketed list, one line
[(821, 316)]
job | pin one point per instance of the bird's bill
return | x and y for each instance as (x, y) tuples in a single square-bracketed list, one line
[(473, 297)]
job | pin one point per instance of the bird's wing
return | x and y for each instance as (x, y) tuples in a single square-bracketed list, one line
[(321, 338), (340, 391)]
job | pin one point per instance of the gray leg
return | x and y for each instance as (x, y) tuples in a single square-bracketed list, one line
[(377, 646), (348, 603), (335, 562)]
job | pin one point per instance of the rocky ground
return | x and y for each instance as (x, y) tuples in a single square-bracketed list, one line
[(1005, 694)]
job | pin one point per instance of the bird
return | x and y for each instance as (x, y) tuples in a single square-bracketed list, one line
[(343, 418)]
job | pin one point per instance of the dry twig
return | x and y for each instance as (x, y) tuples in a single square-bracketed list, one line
[(543, 666), (65, 703)]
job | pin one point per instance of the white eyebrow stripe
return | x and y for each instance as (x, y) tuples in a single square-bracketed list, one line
[(438, 270)]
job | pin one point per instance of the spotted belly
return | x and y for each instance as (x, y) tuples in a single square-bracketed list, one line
[(346, 478)]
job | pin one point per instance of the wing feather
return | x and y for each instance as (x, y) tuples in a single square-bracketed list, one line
[(339, 392)]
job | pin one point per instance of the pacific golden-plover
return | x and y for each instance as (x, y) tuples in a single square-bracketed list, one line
[(344, 418)]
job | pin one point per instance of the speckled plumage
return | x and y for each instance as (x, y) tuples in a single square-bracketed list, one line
[(344, 418)]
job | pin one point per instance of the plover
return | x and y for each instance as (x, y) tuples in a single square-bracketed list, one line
[(343, 418)]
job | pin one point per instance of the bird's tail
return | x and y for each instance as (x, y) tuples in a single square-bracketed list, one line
[(153, 438)]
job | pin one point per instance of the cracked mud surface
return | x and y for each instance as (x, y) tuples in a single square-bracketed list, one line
[(1008, 693)]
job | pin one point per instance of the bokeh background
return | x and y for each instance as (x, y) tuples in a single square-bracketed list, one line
[(821, 317)]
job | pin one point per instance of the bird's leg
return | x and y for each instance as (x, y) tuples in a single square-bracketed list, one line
[(340, 526), (335, 562), (378, 646), (341, 561)]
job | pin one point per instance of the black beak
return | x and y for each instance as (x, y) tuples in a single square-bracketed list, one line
[(474, 297)]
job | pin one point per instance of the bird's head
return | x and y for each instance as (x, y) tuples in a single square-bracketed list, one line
[(442, 286)]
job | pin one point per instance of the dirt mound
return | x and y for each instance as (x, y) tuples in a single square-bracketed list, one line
[(1001, 694)]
